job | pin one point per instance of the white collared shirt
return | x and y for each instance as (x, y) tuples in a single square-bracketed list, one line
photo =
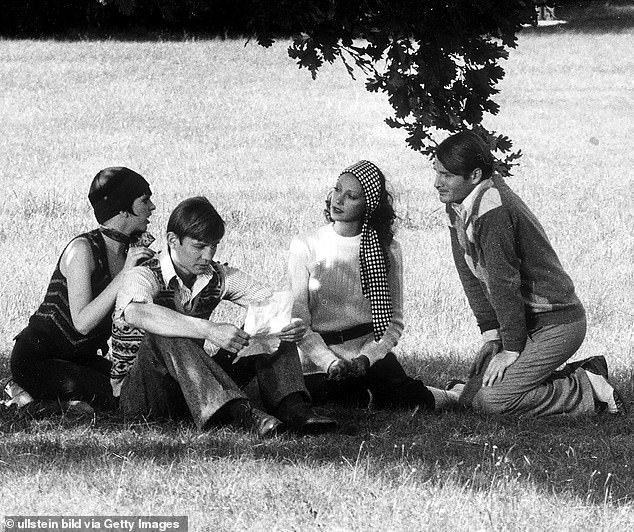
[(170, 276), (464, 209), (141, 286)]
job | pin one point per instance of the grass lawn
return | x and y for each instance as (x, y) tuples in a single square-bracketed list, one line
[(264, 142)]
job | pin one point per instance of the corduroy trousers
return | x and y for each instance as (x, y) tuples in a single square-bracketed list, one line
[(176, 378), (529, 387)]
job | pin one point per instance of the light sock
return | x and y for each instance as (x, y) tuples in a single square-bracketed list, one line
[(444, 399), (458, 389), (602, 391)]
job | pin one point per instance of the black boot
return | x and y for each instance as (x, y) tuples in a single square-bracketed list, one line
[(245, 416), (296, 412)]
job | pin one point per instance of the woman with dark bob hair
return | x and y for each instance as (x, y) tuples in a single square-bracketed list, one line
[(59, 358), (347, 283), (523, 300)]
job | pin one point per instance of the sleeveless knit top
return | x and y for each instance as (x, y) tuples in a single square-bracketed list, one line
[(127, 339), (52, 320)]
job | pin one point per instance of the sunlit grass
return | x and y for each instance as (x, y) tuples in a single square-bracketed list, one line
[(245, 127)]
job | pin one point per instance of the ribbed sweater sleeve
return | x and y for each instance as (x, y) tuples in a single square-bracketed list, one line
[(242, 289), (312, 344), (495, 234), (323, 273)]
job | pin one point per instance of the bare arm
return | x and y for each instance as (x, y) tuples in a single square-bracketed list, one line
[(77, 264), (163, 321)]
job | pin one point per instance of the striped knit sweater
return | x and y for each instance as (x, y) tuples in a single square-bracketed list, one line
[(512, 277)]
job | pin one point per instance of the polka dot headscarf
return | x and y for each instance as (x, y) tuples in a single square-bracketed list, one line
[(372, 258)]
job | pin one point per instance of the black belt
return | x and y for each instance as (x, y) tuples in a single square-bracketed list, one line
[(339, 337)]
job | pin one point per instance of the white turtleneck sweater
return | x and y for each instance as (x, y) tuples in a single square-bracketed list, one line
[(325, 280)]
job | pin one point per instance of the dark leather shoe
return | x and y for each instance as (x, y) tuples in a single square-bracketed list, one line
[(305, 421), (599, 366), (257, 421), (296, 412), (265, 425), (596, 365), (621, 407), (316, 424)]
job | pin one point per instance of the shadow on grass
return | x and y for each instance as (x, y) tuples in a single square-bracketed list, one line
[(589, 457)]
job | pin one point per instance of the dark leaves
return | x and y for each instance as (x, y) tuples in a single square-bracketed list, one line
[(436, 61)]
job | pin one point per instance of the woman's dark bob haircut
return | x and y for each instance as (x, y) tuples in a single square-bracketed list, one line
[(463, 152)]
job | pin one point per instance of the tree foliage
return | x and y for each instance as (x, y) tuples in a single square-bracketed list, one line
[(437, 61)]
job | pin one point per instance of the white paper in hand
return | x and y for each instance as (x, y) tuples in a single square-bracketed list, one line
[(264, 321)]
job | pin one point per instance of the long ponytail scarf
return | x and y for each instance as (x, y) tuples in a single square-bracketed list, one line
[(373, 259)]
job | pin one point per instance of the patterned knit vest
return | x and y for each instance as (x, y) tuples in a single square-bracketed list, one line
[(52, 320), (126, 339)]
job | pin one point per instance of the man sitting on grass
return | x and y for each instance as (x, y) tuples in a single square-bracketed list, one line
[(160, 369)]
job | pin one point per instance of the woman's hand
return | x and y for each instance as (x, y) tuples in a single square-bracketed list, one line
[(359, 366), (498, 366), (338, 370), (294, 331), (135, 256)]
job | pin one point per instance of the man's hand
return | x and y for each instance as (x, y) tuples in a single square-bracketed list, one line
[(498, 366), (359, 366), (489, 349), (227, 336), (294, 331), (338, 370)]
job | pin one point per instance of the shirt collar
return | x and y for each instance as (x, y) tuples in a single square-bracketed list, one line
[(169, 273), (465, 208), (167, 266)]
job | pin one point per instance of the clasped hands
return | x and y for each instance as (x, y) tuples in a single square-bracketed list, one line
[(499, 360), (233, 339), (341, 369)]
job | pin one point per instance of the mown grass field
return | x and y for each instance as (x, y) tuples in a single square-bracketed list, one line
[(241, 125)]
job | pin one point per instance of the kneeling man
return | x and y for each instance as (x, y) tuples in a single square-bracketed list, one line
[(524, 302), (160, 369)]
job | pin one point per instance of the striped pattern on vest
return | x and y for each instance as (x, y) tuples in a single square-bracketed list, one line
[(53, 320), (126, 339)]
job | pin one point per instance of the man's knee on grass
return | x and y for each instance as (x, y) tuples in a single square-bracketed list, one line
[(494, 400)]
